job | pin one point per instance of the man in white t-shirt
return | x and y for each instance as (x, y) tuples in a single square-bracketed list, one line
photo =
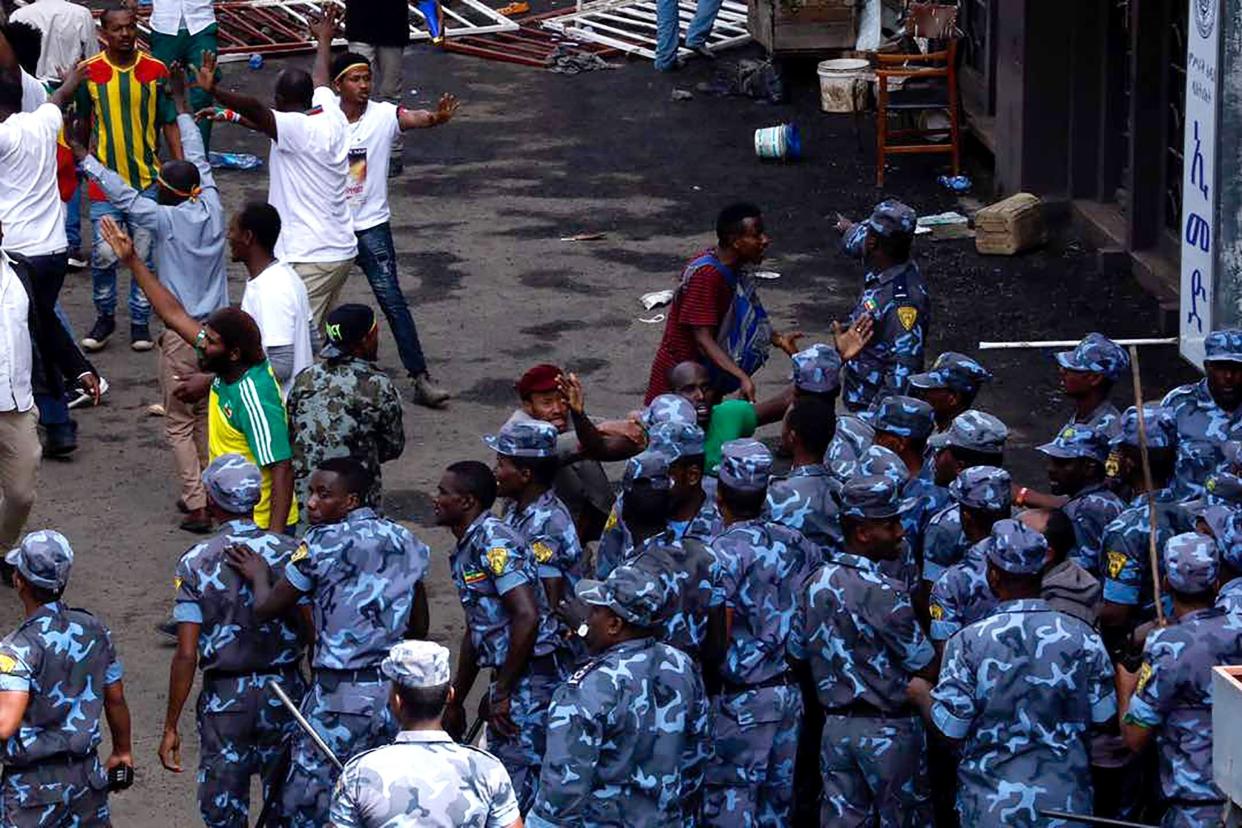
[(275, 297), (308, 173), (372, 125), (69, 34), (32, 216)]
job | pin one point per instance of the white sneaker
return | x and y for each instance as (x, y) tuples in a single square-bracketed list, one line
[(83, 397)]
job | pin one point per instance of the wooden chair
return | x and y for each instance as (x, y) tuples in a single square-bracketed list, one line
[(930, 83)]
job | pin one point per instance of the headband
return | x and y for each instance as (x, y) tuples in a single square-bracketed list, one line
[(360, 65), (193, 193)]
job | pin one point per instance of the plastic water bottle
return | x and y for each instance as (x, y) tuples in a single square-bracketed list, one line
[(956, 183), (256, 61), (234, 160)]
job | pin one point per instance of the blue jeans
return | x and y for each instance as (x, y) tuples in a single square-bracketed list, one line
[(378, 260), (668, 24), (73, 220), (103, 263), (700, 28)]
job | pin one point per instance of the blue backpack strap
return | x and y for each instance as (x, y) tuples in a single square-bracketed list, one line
[(710, 259)]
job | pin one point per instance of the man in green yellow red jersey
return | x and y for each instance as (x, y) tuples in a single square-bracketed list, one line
[(122, 110)]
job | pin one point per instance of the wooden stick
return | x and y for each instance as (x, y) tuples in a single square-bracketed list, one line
[(1067, 343), (1152, 551)]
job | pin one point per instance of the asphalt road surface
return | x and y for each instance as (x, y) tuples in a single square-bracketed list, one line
[(478, 218)]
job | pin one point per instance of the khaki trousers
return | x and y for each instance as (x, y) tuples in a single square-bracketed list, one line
[(20, 455), (185, 425), (323, 281)]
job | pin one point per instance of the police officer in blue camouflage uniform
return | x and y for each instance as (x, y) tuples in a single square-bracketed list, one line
[(758, 712), (424, 778), (973, 439), (805, 499), (691, 513), (895, 296), (1170, 698), (1020, 690), (526, 467), (242, 727), (858, 632), (879, 461), (1087, 376), (1126, 561), (949, 387), (1076, 458), (817, 375), (903, 425), (665, 410), (362, 575), (629, 733), (58, 673), (509, 626), (693, 619), (1207, 413), (1229, 547), (961, 595)]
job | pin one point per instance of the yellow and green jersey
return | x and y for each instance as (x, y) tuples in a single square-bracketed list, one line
[(127, 107), (247, 417)]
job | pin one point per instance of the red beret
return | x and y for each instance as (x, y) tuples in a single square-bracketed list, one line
[(542, 377)]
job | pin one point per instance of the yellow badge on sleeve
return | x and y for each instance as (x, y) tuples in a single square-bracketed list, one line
[(1145, 673), (177, 583), (937, 612), (612, 519), (543, 552), (303, 551), (7, 663), (907, 316), (497, 557), (1116, 563)]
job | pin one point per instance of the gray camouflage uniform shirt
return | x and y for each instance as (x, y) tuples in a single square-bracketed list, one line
[(424, 779)]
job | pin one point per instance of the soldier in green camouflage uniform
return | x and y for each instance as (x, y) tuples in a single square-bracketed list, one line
[(344, 405)]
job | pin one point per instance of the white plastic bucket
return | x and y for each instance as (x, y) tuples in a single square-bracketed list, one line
[(843, 84), (780, 142)]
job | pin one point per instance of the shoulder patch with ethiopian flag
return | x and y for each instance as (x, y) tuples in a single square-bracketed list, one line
[(473, 576)]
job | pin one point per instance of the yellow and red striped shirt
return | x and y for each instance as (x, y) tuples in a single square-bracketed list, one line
[(126, 106)]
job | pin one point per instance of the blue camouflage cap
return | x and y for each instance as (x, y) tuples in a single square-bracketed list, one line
[(954, 371), (973, 430), (986, 488), (1191, 563), (668, 408), (892, 218), (415, 664), (1232, 449), (877, 460), (683, 439), (1219, 519), (43, 558), (1159, 422), (1096, 354), (524, 438), (1016, 548), (652, 466), (905, 417), (1223, 487), (233, 483), (1228, 536), (872, 497), (1078, 441), (745, 465), (1223, 346), (633, 594), (817, 369)]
